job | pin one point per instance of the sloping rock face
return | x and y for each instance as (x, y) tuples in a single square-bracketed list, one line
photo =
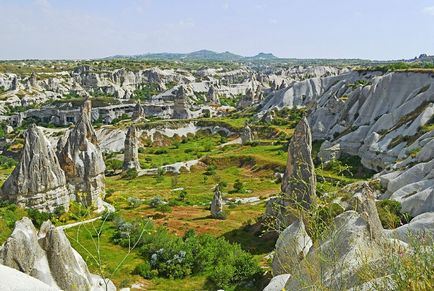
[(13, 280), (131, 150), (292, 246), (47, 256), (299, 180), (38, 180), (351, 115), (81, 159), (217, 204)]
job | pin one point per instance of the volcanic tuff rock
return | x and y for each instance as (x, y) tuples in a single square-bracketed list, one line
[(181, 105), (246, 134), (131, 150), (81, 159), (38, 180), (212, 96), (139, 112), (217, 203), (299, 180), (47, 256)]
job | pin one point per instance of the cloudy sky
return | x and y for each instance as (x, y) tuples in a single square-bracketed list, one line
[(374, 29)]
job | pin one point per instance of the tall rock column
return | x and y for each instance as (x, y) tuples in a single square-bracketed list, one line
[(181, 104), (81, 159), (38, 180), (246, 134), (131, 151), (217, 204), (299, 180)]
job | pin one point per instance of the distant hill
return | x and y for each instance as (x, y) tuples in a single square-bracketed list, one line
[(201, 55)]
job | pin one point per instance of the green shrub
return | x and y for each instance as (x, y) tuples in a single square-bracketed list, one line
[(114, 164), (210, 170), (6, 163), (145, 270), (130, 174), (38, 217), (155, 201), (171, 256), (239, 187), (390, 214), (165, 208)]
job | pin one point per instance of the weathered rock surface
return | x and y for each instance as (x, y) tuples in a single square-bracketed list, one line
[(292, 246), (299, 180), (217, 203), (81, 159), (47, 256), (13, 280), (38, 180), (131, 150), (277, 283)]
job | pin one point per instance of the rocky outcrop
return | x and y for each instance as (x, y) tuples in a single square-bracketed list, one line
[(181, 105), (292, 246), (47, 256), (82, 161), (212, 96), (357, 240), (246, 135), (131, 150), (37, 181), (217, 204), (299, 180), (139, 113)]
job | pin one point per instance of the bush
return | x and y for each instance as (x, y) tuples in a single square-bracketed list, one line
[(38, 217), (156, 201), (390, 214), (114, 164), (171, 256), (145, 271), (165, 208), (210, 170), (130, 174), (134, 202), (6, 163), (239, 187)]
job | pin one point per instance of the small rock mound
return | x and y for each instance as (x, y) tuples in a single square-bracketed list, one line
[(38, 180)]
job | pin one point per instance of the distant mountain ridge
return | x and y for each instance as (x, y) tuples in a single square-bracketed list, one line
[(201, 55)]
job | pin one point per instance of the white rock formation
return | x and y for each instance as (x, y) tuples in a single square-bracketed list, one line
[(217, 204), (292, 246), (131, 150), (37, 181), (81, 159), (299, 180), (47, 256)]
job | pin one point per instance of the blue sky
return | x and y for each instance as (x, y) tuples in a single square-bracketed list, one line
[(374, 29)]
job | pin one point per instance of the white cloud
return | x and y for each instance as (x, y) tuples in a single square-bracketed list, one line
[(429, 10)]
